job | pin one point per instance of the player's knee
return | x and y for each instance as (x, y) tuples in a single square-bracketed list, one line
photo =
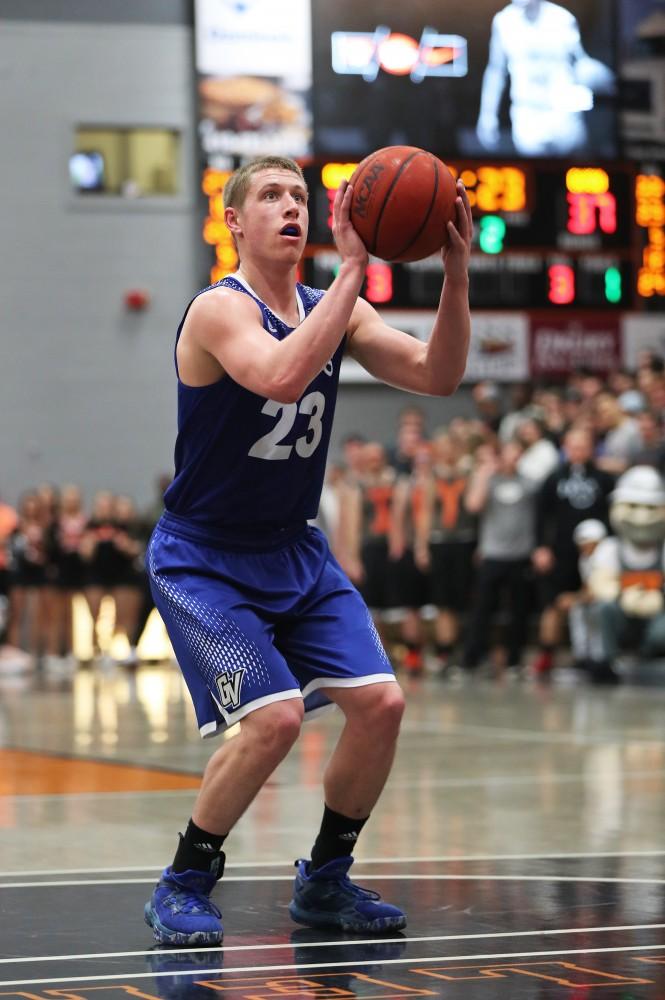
[(387, 710), (276, 727)]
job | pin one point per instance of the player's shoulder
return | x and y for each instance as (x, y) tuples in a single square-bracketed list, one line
[(309, 295), (218, 299)]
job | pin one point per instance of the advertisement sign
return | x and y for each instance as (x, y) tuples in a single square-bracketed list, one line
[(561, 344), (499, 348), (255, 77)]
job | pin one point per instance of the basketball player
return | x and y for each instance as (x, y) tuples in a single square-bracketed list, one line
[(552, 79), (266, 627)]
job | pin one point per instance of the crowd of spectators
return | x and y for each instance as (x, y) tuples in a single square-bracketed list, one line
[(469, 530), (51, 549), (462, 538)]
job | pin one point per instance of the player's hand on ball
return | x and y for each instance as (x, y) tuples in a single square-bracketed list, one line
[(457, 249), (347, 240)]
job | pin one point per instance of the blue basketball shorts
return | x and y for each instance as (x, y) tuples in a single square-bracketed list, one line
[(251, 628)]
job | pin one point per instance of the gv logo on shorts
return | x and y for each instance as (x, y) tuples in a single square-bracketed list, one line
[(228, 685)]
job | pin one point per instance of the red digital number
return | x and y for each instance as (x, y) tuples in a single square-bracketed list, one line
[(562, 284), (379, 283), (588, 212)]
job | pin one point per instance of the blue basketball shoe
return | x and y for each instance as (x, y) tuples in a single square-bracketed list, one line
[(180, 910), (326, 897)]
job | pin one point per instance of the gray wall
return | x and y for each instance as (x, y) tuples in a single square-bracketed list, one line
[(86, 389)]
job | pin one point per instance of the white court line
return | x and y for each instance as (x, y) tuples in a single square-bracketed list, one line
[(299, 967), (336, 944), (407, 859), (488, 877)]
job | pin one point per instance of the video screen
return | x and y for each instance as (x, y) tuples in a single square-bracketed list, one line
[(527, 78)]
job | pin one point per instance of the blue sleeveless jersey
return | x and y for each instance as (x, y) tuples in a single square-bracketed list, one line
[(247, 467)]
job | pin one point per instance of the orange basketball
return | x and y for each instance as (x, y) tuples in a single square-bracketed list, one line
[(402, 199)]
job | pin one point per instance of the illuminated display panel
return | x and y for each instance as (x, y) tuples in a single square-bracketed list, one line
[(414, 73), (591, 204), (544, 236), (540, 206), (504, 281), (490, 187), (215, 231), (650, 218), (495, 188)]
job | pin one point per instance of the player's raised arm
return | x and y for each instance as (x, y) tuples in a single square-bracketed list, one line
[(228, 325), (434, 368)]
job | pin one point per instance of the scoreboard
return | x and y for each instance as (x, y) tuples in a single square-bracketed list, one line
[(546, 235)]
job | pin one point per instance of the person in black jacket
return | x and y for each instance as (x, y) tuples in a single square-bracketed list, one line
[(573, 492)]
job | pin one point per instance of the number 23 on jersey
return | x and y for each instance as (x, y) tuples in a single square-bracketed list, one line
[(270, 446)]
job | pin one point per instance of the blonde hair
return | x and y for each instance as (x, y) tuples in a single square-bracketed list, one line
[(237, 186)]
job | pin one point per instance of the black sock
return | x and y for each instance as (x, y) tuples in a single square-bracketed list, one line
[(337, 837), (199, 851)]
